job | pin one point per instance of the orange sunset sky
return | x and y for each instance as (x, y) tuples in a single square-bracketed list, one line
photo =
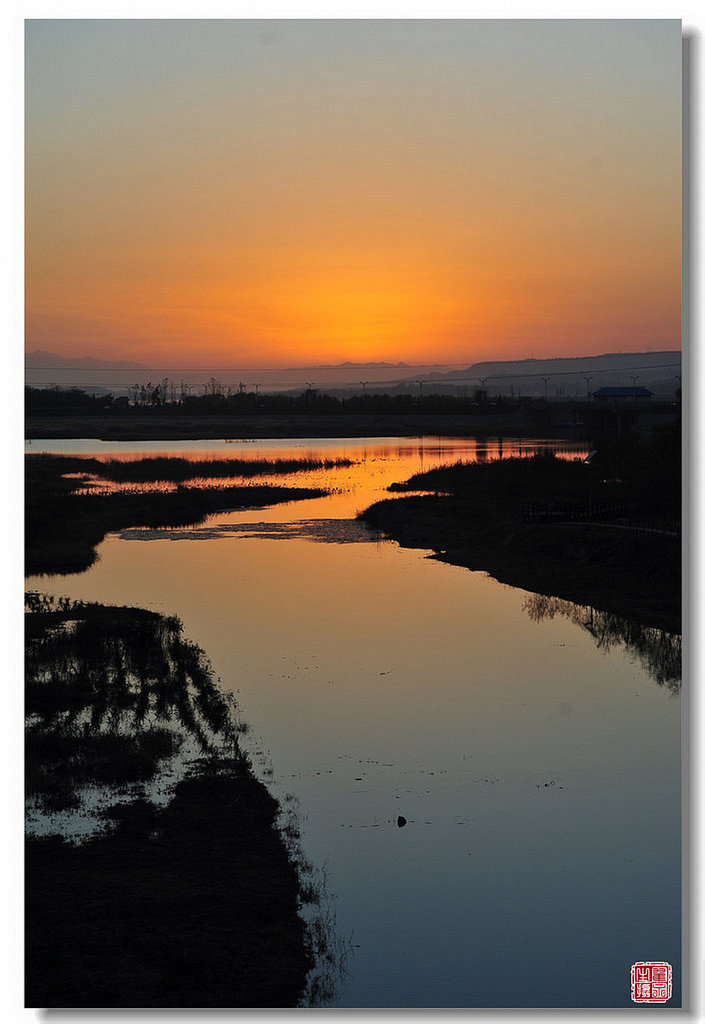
[(280, 193)]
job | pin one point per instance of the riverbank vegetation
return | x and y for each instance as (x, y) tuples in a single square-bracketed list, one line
[(175, 469), (63, 527), (184, 889), (604, 533), (159, 413), (218, 400)]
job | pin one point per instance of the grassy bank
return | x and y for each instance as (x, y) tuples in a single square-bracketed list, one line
[(477, 518), (63, 528), (176, 469), (188, 901)]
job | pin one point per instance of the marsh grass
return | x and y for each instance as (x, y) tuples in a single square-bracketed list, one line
[(195, 902), (180, 469), (110, 697), (61, 764), (473, 515), (503, 479), (63, 527)]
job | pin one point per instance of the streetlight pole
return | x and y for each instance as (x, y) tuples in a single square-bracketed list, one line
[(545, 388), (587, 387)]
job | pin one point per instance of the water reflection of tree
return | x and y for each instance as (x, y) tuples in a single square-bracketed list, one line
[(656, 650), (109, 694)]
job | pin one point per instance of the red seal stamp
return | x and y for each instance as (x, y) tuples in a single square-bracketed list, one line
[(651, 981)]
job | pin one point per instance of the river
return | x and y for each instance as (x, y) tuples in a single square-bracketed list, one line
[(494, 796)]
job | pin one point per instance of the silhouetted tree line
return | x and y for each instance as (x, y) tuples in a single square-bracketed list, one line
[(65, 401), (168, 398)]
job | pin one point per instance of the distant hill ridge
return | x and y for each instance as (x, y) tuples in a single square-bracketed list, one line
[(567, 364), (40, 358), (557, 377)]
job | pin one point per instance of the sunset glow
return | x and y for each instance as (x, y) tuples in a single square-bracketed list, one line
[(265, 193)]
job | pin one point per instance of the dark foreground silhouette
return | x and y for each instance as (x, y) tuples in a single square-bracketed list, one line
[(555, 527), (193, 905), (191, 900)]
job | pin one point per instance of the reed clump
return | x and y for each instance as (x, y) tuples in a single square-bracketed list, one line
[(63, 527), (178, 469)]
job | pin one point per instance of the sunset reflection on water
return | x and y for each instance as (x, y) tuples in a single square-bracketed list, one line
[(530, 764), (375, 463)]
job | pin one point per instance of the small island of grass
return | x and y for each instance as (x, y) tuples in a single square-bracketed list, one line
[(64, 523), (604, 533)]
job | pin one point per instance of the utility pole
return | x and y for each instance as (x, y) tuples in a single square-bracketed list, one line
[(587, 388), (545, 388)]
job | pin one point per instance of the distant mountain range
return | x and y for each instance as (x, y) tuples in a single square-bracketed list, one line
[(43, 369), (617, 361), (556, 377), (40, 359), (569, 376), (361, 366)]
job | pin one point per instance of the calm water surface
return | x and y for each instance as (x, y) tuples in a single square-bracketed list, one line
[(538, 773)]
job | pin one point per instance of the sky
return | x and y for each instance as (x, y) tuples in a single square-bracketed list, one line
[(288, 192)]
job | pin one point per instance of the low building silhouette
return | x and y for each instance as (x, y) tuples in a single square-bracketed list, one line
[(605, 394)]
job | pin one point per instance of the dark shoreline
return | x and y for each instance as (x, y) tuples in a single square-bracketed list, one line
[(155, 427), (183, 906), (635, 576), (603, 532), (192, 903)]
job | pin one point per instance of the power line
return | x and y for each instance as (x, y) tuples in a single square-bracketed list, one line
[(232, 369), (296, 369), (554, 373), (396, 382)]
